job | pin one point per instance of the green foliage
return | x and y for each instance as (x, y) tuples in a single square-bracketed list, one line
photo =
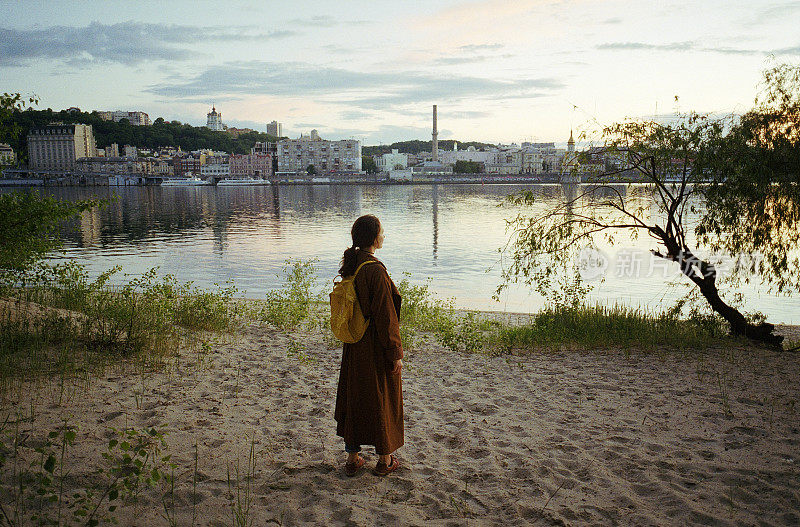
[(600, 327), (37, 489), (10, 129), (468, 167), (29, 223), (311, 170), (291, 305), (368, 165), (753, 201)]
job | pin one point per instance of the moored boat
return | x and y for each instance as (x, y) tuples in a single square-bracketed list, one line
[(184, 182)]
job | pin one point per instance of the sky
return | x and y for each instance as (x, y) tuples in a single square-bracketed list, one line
[(500, 71)]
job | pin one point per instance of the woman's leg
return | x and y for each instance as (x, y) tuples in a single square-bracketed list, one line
[(352, 452)]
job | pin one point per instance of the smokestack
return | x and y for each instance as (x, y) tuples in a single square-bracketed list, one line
[(435, 142)]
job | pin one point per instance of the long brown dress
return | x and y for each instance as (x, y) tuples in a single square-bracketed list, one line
[(369, 399)]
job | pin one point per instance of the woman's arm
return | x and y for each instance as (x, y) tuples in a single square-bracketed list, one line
[(387, 326)]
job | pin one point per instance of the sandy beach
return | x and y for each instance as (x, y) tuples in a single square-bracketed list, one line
[(603, 437)]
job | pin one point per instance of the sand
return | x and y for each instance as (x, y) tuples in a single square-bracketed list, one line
[(601, 437)]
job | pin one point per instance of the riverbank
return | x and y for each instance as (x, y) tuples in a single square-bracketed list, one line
[(556, 437)]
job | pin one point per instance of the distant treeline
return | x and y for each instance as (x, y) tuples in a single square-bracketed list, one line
[(416, 146), (160, 134)]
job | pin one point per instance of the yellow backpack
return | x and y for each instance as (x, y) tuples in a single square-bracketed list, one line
[(347, 321)]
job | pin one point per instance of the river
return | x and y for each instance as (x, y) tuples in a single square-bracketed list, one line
[(447, 235)]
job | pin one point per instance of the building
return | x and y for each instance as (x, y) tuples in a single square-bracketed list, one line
[(112, 150), (258, 166), (275, 129), (392, 161), (216, 170), (7, 155), (186, 166), (135, 118), (214, 121), (130, 151), (508, 161), (58, 146), (295, 155)]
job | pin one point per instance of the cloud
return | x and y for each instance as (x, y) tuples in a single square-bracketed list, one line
[(674, 46), (694, 46), (612, 21), (467, 115), (780, 10), (127, 43), (355, 115), (364, 90), (472, 48), (315, 21)]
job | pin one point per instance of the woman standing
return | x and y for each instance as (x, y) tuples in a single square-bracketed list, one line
[(369, 399)]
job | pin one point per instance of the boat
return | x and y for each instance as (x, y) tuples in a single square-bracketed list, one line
[(184, 182), (240, 182)]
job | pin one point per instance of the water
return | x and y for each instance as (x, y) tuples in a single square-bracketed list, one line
[(448, 234)]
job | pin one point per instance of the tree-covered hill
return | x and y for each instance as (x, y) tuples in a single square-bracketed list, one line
[(160, 133), (416, 146)]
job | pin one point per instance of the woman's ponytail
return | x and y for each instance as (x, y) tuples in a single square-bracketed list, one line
[(348, 262)]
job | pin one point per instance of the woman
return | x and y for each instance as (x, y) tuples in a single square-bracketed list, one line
[(369, 400)]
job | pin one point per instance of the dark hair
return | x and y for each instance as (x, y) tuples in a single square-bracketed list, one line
[(364, 232)]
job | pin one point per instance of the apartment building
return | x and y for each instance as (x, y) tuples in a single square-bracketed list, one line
[(258, 166), (275, 129), (59, 146), (295, 155)]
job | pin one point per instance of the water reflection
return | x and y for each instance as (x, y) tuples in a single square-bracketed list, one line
[(450, 234)]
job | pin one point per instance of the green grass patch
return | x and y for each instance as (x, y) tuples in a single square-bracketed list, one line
[(591, 327)]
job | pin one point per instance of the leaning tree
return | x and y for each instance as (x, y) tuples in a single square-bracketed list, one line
[(729, 186)]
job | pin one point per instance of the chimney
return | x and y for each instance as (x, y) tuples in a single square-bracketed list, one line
[(435, 141)]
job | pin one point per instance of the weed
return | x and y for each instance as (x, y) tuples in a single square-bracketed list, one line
[(240, 496), (36, 479)]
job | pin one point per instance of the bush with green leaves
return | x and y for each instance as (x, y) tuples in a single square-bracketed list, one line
[(290, 305)]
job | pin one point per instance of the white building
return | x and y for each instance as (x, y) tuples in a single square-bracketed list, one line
[(295, 155), (450, 157), (130, 151), (215, 170), (58, 146), (135, 118), (214, 121), (275, 129), (392, 161)]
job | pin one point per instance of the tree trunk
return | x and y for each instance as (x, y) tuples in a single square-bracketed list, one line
[(762, 332), (704, 275)]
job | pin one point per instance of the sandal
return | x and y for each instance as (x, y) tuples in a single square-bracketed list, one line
[(351, 469), (382, 469)]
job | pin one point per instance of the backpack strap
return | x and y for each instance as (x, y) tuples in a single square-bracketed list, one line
[(362, 265)]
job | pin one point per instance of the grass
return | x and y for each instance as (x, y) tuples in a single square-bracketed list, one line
[(591, 327), (64, 324)]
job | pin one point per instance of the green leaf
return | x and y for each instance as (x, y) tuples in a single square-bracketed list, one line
[(113, 494), (50, 464)]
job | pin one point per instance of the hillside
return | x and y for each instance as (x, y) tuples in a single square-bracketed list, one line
[(161, 133)]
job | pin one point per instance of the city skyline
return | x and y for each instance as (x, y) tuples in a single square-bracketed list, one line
[(499, 72)]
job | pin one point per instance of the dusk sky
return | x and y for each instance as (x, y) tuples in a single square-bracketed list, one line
[(500, 71)]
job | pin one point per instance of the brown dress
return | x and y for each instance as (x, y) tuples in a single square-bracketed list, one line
[(369, 400)]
